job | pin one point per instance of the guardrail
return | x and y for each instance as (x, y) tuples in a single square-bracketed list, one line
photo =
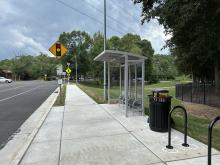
[(211, 124), (169, 146)]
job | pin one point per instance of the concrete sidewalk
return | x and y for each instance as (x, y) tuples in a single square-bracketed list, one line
[(85, 133)]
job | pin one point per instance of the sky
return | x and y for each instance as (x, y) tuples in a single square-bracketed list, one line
[(32, 26)]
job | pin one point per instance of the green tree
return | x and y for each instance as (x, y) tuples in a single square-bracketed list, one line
[(96, 48), (6, 64), (78, 44), (147, 51), (195, 29), (114, 43), (132, 43), (164, 68), (86, 48), (26, 67), (45, 65), (129, 43)]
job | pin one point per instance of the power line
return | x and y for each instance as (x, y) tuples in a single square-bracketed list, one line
[(94, 7), (92, 18), (126, 12), (100, 11)]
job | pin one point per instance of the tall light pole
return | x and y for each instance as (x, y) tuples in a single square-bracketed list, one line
[(105, 49), (76, 65)]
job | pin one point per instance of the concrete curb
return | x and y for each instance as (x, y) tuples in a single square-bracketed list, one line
[(24, 138)]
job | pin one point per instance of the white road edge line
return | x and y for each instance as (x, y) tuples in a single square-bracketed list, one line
[(20, 94), (13, 88)]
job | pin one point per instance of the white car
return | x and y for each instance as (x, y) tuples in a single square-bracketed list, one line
[(5, 80)]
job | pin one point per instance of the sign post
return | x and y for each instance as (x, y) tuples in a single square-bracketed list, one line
[(64, 77), (68, 72), (58, 50), (68, 77), (60, 84)]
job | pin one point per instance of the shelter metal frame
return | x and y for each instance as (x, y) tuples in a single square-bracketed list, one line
[(125, 60)]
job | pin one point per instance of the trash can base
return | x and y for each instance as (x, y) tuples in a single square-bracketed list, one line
[(156, 129)]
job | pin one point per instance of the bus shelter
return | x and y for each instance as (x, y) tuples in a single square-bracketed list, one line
[(130, 96)]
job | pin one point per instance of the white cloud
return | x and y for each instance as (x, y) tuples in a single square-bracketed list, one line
[(23, 41), (6, 8), (155, 33), (32, 26)]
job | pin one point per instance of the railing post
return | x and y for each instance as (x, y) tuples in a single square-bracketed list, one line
[(169, 146), (185, 129), (169, 132), (211, 124)]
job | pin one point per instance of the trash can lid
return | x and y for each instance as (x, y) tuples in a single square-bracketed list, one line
[(159, 90)]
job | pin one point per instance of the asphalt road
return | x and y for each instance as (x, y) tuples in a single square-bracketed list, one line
[(18, 101)]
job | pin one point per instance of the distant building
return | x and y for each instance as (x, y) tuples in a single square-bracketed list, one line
[(6, 73)]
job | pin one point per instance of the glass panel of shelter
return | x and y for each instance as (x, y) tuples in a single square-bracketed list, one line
[(134, 86)]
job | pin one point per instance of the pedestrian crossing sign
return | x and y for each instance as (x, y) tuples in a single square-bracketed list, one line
[(68, 71)]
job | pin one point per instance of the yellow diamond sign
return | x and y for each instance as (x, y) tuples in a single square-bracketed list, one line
[(68, 70), (58, 50)]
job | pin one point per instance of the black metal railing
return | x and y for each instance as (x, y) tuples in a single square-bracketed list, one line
[(201, 93), (211, 124), (169, 146)]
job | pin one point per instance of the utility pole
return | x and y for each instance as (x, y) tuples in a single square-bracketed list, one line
[(105, 49)]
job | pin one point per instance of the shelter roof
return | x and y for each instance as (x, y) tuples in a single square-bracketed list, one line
[(117, 56)]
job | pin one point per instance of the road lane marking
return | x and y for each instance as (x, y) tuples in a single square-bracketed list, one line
[(13, 88), (20, 93)]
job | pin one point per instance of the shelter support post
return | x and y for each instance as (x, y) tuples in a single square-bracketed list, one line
[(109, 82), (142, 89), (129, 81), (104, 80), (105, 49), (135, 80), (126, 85), (120, 82)]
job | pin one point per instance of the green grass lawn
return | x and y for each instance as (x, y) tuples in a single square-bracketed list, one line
[(163, 84), (197, 126)]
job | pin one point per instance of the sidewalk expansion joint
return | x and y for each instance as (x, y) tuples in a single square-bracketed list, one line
[(89, 137), (130, 132), (61, 135), (205, 156)]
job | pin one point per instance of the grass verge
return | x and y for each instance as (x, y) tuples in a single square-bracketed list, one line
[(197, 126), (61, 101)]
